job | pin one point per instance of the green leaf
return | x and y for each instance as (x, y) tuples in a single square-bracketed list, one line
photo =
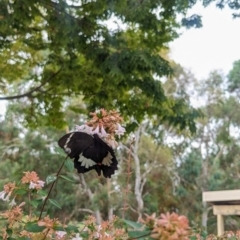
[(55, 203), (193, 238), (51, 178), (132, 224), (59, 151), (20, 191), (85, 235), (44, 214), (69, 165), (59, 228), (42, 193), (9, 231), (139, 234), (72, 228), (35, 203), (67, 178), (33, 227)]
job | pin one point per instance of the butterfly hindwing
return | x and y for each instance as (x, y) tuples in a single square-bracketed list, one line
[(89, 152)]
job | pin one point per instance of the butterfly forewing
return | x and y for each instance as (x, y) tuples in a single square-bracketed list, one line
[(75, 143)]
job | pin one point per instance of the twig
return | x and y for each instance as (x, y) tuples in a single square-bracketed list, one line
[(53, 183), (29, 94), (46, 234)]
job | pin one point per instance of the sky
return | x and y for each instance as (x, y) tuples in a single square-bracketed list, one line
[(215, 46)]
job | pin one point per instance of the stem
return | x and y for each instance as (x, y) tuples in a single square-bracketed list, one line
[(46, 234), (29, 200), (50, 190)]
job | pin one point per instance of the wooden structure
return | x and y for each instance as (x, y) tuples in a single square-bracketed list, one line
[(224, 203)]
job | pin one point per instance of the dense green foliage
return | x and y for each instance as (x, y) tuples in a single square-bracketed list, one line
[(52, 51)]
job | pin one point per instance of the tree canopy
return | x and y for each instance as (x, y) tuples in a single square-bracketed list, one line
[(103, 53)]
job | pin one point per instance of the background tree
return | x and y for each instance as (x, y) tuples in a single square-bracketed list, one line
[(209, 160)]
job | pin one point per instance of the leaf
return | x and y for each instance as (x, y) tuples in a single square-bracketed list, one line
[(193, 238), (44, 214), (33, 227), (59, 228), (51, 178), (72, 228), (67, 178), (139, 234), (20, 191), (42, 193), (69, 165), (132, 224), (35, 203), (55, 203), (59, 151)]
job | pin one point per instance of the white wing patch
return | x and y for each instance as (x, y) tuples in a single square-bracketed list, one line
[(107, 160), (86, 162), (68, 150)]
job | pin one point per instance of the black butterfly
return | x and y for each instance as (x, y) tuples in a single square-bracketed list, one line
[(89, 152)]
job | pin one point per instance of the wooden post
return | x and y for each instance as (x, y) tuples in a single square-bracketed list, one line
[(220, 225), (224, 203)]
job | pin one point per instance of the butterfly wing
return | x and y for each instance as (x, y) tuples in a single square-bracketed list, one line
[(106, 159), (89, 152), (75, 143)]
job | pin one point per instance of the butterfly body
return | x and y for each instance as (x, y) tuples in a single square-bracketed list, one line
[(89, 152)]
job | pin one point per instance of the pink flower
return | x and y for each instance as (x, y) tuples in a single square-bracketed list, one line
[(171, 227), (8, 189), (120, 130), (14, 214), (13, 203), (103, 133), (96, 130), (2, 196), (84, 128), (77, 237), (38, 185), (30, 177), (60, 234)]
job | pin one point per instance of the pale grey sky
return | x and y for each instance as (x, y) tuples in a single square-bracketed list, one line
[(214, 46)]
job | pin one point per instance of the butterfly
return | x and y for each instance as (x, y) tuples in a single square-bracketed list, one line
[(89, 152)]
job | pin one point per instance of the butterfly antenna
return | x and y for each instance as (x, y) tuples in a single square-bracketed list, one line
[(52, 185)]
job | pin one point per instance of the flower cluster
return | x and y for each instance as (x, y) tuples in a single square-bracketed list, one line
[(13, 215), (169, 226), (21, 224), (33, 180), (105, 124), (6, 193), (9, 189), (107, 230)]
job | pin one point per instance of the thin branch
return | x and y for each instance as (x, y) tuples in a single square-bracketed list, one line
[(29, 94), (57, 175)]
